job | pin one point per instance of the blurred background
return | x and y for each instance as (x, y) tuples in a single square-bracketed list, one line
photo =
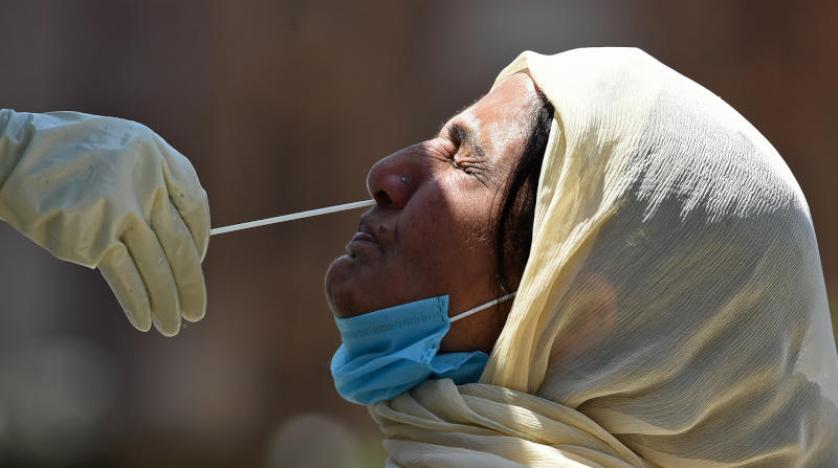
[(283, 105)]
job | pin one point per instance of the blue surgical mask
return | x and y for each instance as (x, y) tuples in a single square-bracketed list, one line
[(388, 352)]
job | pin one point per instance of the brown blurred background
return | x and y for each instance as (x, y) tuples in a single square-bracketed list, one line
[(283, 106)]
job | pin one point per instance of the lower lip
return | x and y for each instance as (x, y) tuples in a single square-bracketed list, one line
[(363, 237), (361, 241)]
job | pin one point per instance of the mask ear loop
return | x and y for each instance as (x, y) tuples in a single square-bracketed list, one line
[(479, 308)]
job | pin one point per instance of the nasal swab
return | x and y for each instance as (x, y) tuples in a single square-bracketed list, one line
[(291, 217)]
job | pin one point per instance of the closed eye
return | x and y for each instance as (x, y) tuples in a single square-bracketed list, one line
[(462, 136), (467, 155)]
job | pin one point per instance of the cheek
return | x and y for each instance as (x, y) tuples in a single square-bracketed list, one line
[(447, 233)]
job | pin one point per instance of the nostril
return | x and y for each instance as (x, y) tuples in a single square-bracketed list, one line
[(382, 198)]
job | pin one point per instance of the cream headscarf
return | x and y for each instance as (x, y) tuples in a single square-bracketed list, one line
[(672, 311)]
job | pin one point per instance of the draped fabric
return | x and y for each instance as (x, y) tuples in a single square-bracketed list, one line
[(673, 309)]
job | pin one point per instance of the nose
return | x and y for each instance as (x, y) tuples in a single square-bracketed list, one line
[(392, 181)]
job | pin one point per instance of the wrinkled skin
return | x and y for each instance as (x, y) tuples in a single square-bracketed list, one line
[(432, 230)]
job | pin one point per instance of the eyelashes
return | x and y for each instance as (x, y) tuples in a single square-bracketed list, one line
[(466, 163), (454, 161)]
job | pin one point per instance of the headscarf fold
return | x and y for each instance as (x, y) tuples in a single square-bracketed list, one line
[(672, 311)]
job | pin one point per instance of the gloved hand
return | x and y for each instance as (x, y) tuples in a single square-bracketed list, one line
[(110, 193)]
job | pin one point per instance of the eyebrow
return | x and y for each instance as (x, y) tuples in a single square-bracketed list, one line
[(460, 134)]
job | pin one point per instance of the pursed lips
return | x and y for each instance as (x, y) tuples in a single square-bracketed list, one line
[(364, 236), (365, 231)]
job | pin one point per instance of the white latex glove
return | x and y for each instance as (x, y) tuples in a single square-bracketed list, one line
[(110, 193)]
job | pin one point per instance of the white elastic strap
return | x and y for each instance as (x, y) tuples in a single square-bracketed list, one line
[(291, 217), (481, 307)]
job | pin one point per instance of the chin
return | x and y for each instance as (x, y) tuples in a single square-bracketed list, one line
[(341, 289)]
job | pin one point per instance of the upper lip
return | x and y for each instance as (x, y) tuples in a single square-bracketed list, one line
[(364, 228)]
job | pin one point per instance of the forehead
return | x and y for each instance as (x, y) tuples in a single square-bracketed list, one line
[(504, 106)]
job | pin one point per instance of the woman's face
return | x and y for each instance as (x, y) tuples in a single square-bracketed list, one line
[(432, 230)]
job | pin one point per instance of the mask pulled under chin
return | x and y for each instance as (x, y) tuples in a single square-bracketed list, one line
[(390, 351)]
